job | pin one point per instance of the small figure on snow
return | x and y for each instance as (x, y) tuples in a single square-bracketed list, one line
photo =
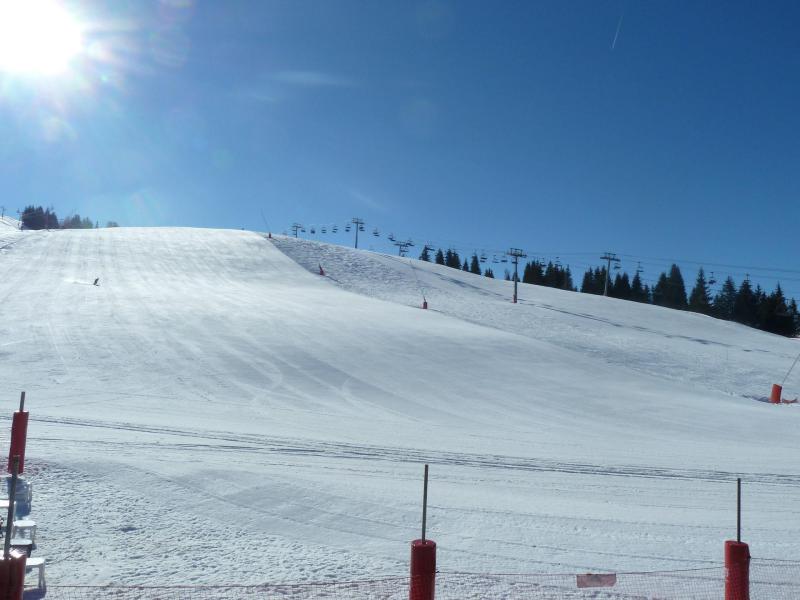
[(97, 282)]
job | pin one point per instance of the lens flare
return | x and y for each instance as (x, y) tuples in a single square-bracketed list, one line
[(37, 37)]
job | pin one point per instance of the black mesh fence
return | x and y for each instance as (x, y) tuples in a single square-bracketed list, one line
[(769, 580)]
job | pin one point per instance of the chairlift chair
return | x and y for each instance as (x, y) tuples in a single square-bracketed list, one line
[(335, 229), (504, 260), (323, 230), (391, 237), (712, 280), (347, 228), (302, 230), (361, 228), (312, 231), (483, 257), (376, 233)]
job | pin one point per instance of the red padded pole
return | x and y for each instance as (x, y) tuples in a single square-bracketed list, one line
[(423, 570), (737, 571), (775, 396), (12, 576), (19, 434)]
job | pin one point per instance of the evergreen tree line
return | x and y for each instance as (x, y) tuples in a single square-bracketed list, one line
[(744, 304), (36, 217), (550, 275), (537, 272)]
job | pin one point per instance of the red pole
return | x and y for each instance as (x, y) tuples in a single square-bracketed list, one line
[(12, 576), (775, 397), (737, 571), (19, 434), (423, 570)]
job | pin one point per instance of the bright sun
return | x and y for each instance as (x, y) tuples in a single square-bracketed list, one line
[(37, 37)]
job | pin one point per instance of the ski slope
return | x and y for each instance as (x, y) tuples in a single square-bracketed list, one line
[(215, 393)]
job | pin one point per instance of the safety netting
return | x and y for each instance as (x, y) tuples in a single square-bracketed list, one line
[(769, 580)]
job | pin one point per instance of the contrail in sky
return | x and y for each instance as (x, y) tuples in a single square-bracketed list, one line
[(616, 35)]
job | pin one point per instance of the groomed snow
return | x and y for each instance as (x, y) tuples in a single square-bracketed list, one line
[(214, 396)]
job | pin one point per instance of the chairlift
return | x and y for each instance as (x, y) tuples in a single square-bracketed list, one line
[(712, 280), (617, 267), (483, 257), (323, 230), (494, 260), (347, 228), (302, 230), (361, 228), (376, 233), (335, 229), (312, 231), (391, 237), (504, 260)]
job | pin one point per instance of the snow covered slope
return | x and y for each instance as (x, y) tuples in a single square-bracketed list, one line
[(211, 392)]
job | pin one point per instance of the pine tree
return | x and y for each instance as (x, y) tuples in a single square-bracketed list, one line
[(465, 266), (725, 300), (439, 257), (745, 308), (587, 285), (424, 255), (622, 287), (567, 282), (660, 297), (475, 265), (508, 275), (637, 290), (488, 273), (676, 291), (700, 299)]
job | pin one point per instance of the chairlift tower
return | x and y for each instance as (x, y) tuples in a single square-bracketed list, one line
[(516, 254), (295, 228), (610, 257), (359, 223)]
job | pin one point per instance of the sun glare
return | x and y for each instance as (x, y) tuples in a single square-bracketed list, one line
[(37, 37)]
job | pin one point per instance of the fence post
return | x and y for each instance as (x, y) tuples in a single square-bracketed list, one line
[(423, 557), (737, 570), (19, 434), (12, 575), (423, 570), (775, 395)]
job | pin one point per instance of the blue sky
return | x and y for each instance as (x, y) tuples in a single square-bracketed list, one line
[(478, 124)]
